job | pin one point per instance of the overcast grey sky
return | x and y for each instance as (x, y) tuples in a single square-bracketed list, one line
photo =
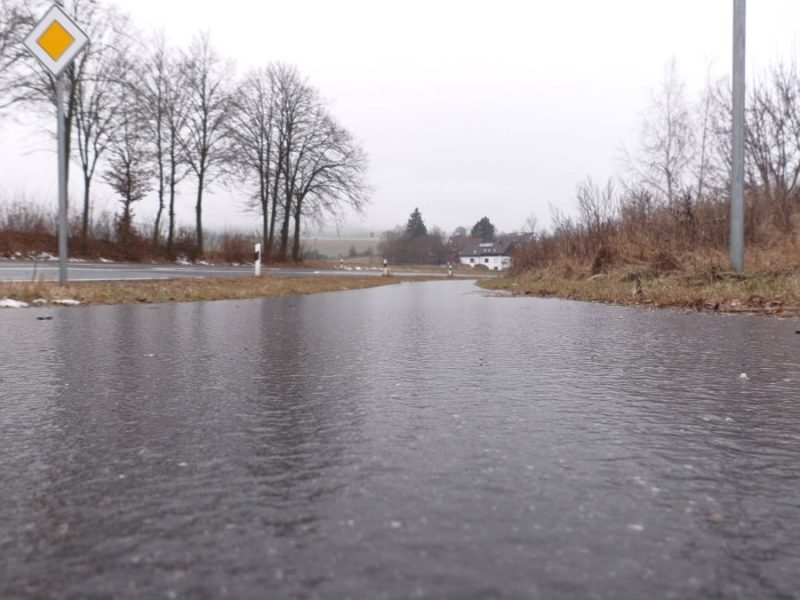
[(465, 108)]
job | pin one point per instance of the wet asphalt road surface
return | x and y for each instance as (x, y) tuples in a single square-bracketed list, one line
[(416, 441)]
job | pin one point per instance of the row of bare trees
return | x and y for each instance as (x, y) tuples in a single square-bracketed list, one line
[(146, 117), (673, 198)]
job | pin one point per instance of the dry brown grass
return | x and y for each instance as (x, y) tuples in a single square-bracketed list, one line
[(759, 292), (190, 290)]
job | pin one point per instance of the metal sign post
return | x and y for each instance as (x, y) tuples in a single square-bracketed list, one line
[(63, 225), (55, 41), (737, 175)]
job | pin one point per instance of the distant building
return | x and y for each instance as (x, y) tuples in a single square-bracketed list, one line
[(495, 256), (458, 244)]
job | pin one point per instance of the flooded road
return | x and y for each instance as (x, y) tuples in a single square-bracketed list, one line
[(415, 441)]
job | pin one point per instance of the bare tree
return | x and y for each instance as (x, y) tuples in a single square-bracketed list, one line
[(13, 21), (773, 140), (531, 226), (330, 175), (98, 96), (705, 152), (320, 167), (665, 156), (207, 79), (129, 173), (163, 99), (717, 175), (295, 105), (255, 144)]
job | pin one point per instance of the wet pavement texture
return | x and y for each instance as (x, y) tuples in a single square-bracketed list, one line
[(425, 440)]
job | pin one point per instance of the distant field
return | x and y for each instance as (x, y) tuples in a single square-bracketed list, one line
[(340, 247)]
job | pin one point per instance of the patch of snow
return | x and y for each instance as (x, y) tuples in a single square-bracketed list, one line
[(9, 303), (66, 302), (182, 260), (76, 260), (104, 260), (40, 302), (744, 377)]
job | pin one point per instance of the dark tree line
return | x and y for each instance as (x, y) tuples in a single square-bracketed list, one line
[(152, 118), (483, 229), (414, 244)]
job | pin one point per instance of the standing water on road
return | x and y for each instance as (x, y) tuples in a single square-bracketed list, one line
[(417, 441)]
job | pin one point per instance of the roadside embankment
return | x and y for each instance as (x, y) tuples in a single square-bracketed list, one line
[(187, 290), (772, 293)]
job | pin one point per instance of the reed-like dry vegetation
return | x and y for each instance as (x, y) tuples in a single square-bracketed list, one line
[(661, 235)]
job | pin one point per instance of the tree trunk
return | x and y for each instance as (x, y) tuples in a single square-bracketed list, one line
[(264, 198), (287, 217), (171, 233), (85, 225), (199, 213), (298, 214), (160, 162), (157, 226), (172, 171), (273, 217)]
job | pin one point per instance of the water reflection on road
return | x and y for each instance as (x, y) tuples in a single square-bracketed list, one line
[(419, 441)]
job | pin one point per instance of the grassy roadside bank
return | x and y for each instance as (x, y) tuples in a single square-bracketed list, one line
[(775, 293), (188, 290)]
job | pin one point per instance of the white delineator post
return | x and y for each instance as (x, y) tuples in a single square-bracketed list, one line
[(385, 268), (257, 261)]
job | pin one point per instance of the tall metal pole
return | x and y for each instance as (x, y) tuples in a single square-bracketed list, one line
[(63, 226), (62, 183), (737, 183)]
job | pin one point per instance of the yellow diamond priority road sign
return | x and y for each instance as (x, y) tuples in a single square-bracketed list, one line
[(56, 40)]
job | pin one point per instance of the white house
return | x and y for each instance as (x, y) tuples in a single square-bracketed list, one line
[(495, 256)]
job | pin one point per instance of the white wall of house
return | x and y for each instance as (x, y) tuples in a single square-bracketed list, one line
[(493, 263)]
